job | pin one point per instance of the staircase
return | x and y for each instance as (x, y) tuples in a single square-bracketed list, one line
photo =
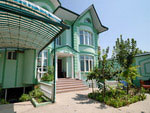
[(68, 85)]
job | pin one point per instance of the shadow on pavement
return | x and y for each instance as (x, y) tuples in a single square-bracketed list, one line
[(83, 99)]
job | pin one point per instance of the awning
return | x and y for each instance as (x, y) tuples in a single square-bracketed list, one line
[(27, 26)]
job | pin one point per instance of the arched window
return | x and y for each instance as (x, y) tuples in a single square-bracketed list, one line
[(87, 20)]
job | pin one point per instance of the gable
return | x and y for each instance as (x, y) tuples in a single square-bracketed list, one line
[(86, 16), (91, 12)]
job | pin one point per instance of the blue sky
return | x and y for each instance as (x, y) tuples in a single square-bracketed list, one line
[(131, 18)]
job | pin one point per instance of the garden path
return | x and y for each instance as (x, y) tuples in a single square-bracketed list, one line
[(76, 102)]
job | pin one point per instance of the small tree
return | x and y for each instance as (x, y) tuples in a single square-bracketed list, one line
[(103, 72), (125, 53)]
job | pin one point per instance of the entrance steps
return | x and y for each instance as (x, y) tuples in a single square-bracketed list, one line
[(68, 85)]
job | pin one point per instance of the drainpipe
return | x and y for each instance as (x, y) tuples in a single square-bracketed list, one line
[(54, 90)]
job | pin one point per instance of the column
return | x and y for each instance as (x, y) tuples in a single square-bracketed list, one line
[(56, 68), (66, 66), (72, 67)]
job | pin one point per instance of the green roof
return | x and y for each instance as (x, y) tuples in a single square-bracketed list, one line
[(27, 26)]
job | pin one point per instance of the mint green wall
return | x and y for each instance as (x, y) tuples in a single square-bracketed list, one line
[(68, 37), (20, 67), (84, 49), (69, 67), (29, 67), (9, 73), (64, 64), (144, 68), (1, 64), (86, 15), (19, 72)]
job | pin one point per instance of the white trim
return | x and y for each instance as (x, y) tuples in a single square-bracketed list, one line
[(87, 37), (72, 67), (89, 67), (67, 67)]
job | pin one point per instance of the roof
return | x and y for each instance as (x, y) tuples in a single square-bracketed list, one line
[(27, 26), (56, 3), (96, 21), (143, 54), (66, 14)]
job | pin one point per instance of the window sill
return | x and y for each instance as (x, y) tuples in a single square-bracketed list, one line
[(86, 45)]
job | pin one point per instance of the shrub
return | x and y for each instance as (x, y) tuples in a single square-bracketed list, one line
[(40, 100), (25, 97), (117, 98), (36, 93), (3, 101), (49, 76), (46, 77)]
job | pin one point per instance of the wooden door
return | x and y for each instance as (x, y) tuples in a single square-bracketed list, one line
[(60, 68)]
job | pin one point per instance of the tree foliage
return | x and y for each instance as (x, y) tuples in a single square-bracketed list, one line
[(125, 51), (104, 71)]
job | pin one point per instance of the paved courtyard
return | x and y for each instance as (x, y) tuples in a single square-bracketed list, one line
[(76, 102)]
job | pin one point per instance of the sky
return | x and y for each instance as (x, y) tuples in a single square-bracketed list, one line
[(130, 18)]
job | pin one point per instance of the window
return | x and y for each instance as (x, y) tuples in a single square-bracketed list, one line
[(12, 55), (43, 58), (87, 20), (86, 63), (58, 41), (86, 38)]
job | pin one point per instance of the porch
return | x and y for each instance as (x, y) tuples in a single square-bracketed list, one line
[(64, 65)]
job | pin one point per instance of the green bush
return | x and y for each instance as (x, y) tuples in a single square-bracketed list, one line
[(49, 76), (25, 97), (3, 101), (36, 93), (117, 98)]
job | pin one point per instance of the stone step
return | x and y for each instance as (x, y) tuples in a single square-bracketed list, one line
[(69, 81), (68, 85), (63, 83), (71, 90)]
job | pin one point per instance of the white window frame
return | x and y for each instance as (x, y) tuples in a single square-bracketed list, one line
[(58, 41), (89, 66), (12, 54), (87, 35), (42, 58)]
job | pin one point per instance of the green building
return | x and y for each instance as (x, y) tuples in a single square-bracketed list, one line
[(76, 48), (143, 63), (27, 31)]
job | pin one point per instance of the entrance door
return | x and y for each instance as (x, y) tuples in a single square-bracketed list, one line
[(60, 68)]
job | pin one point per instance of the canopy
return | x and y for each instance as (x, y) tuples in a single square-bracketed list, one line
[(27, 26)]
